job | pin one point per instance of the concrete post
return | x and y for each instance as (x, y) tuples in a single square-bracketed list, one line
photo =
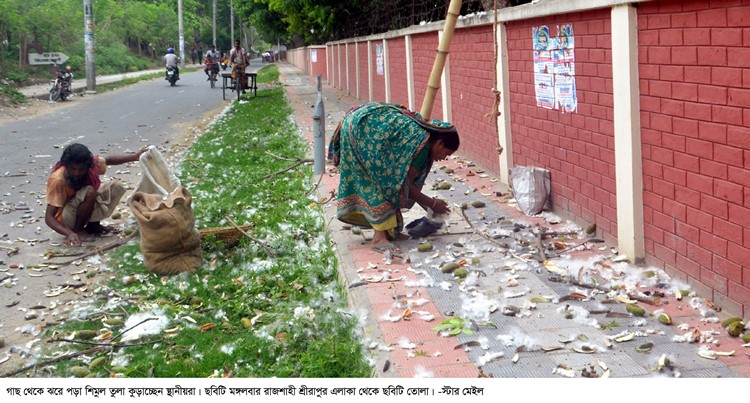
[(319, 132), (88, 39)]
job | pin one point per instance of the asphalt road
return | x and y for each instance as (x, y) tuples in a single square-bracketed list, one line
[(115, 122)]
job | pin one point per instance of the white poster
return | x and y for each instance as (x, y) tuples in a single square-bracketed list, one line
[(379, 58), (314, 55)]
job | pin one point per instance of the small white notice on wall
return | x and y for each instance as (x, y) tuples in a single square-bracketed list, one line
[(314, 55), (379, 58)]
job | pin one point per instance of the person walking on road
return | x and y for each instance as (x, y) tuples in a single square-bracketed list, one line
[(384, 153), (76, 198)]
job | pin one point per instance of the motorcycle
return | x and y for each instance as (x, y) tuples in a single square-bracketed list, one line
[(60, 86), (172, 76)]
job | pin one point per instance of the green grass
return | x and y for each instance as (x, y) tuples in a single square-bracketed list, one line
[(11, 96), (268, 74), (296, 323)]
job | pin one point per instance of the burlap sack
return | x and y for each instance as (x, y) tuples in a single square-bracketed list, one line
[(169, 240)]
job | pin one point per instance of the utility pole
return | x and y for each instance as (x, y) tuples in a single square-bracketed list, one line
[(231, 18), (88, 39), (182, 35), (214, 42)]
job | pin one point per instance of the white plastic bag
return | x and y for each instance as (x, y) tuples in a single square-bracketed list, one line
[(531, 188), (157, 178)]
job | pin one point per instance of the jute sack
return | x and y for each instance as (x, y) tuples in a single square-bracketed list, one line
[(169, 241), (157, 178)]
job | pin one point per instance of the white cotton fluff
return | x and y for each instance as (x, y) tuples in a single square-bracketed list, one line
[(489, 356), (145, 328), (477, 307), (406, 344), (421, 372)]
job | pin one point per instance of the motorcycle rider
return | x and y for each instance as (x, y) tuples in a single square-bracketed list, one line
[(212, 62), (171, 61), (67, 78)]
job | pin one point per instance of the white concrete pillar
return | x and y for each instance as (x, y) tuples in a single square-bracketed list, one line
[(348, 79), (627, 125), (386, 71), (356, 65), (503, 121), (409, 72)]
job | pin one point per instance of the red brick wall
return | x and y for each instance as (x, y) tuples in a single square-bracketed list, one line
[(694, 66), (319, 67), (577, 148), (397, 71), (364, 85), (351, 87), (424, 47), (472, 78), (378, 81)]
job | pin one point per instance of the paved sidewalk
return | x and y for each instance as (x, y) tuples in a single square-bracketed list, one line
[(526, 318)]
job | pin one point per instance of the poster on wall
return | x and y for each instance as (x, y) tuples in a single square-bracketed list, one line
[(543, 68), (314, 55), (554, 69), (379, 58)]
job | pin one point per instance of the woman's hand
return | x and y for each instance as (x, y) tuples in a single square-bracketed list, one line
[(439, 206)]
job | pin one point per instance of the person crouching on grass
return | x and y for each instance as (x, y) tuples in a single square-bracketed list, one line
[(76, 198)]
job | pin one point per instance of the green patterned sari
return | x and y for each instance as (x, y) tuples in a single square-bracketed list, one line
[(374, 146)]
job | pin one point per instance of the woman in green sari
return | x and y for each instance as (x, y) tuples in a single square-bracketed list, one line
[(384, 153)]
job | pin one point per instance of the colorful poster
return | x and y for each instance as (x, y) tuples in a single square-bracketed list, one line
[(554, 69), (314, 55), (379, 58)]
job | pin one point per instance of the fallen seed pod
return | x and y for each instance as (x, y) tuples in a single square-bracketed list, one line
[(449, 267), (746, 337), (97, 362), (85, 334), (460, 273), (729, 321), (665, 319), (478, 204), (425, 247), (735, 329), (444, 186), (246, 323), (636, 310), (79, 372)]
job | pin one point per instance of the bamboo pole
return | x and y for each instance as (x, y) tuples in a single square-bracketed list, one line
[(454, 10)]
